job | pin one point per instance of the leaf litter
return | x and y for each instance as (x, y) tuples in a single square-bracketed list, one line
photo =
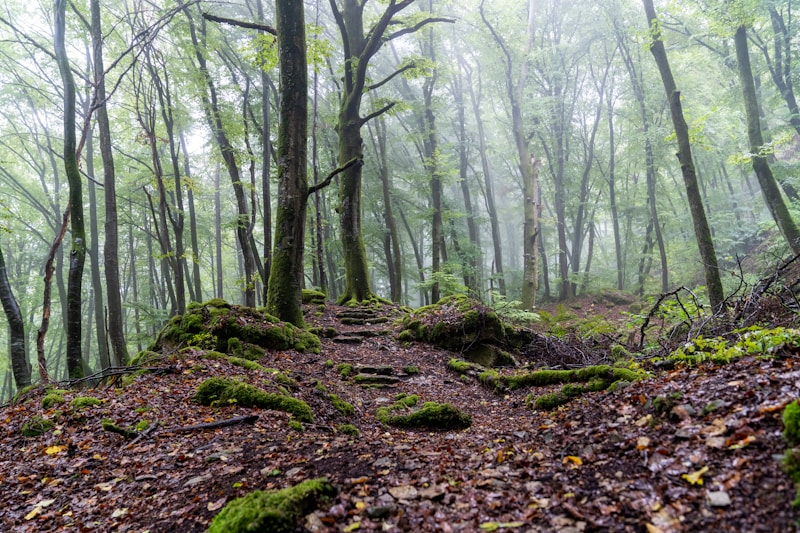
[(605, 461)]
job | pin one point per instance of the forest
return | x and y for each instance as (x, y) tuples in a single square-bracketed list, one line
[(488, 265), (520, 151)]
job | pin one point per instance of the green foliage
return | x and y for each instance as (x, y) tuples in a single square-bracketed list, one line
[(273, 511), (220, 391), (750, 341), (142, 425), (36, 425), (459, 366), (511, 311), (411, 369), (297, 426), (329, 363), (80, 402), (541, 378), (416, 66)]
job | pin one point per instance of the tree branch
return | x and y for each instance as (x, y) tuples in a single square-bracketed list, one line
[(327, 181), (389, 78), (241, 23), (417, 26), (377, 113)]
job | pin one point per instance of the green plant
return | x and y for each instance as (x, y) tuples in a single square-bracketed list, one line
[(80, 402), (36, 425), (348, 429), (344, 369), (411, 369)]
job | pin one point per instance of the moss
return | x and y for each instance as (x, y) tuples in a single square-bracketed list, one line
[(128, 379), (619, 352), (791, 423), (216, 302), (313, 297), (297, 426), (348, 429), (53, 397), (459, 366), (80, 402), (431, 415), (36, 425), (273, 511), (111, 426), (346, 408), (542, 378), (662, 405), (253, 352), (142, 425), (344, 369), (221, 391), (411, 369), (145, 357), (329, 363), (546, 402), (235, 347)]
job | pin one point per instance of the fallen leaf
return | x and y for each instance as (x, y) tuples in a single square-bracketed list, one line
[(494, 526), (33, 514), (575, 461), (352, 527), (119, 512), (217, 505), (642, 443), (717, 427), (696, 478), (403, 492), (52, 450)]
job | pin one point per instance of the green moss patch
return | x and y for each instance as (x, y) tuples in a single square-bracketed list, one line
[(348, 429), (344, 369), (311, 296), (36, 425), (791, 434), (81, 402), (145, 357), (540, 378), (273, 511), (430, 415), (346, 408), (53, 397), (221, 391), (750, 341)]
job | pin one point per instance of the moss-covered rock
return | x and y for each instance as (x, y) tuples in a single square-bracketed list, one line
[(312, 297), (455, 322), (791, 423), (540, 378), (346, 408), (36, 425), (273, 511), (221, 391), (145, 357), (348, 429), (213, 325), (431, 415)]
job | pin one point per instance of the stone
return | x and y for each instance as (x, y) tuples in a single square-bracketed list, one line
[(718, 498)]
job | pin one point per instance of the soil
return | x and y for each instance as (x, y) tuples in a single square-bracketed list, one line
[(704, 457)]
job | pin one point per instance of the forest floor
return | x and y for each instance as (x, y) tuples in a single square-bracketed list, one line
[(604, 462)]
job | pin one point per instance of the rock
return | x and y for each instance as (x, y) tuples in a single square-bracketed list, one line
[(374, 379), (434, 492), (383, 462), (718, 498), (404, 492), (383, 370), (197, 480), (348, 339), (380, 511)]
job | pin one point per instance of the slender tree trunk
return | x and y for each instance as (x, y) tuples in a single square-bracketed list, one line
[(488, 182), (612, 191), (97, 286), (266, 154), (16, 329), (119, 348), (393, 255), (284, 298), (195, 278), (218, 232), (77, 254), (772, 195), (702, 231)]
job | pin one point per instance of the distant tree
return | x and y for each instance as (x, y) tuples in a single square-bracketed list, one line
[(16, 327)]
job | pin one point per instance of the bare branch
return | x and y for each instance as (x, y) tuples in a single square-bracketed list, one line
[(416, 27), (241, 23), (389, 78), (377, 113), (327, 181)]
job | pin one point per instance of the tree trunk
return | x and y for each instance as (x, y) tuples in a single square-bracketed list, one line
[(266, 154), (218, 233), (16, 330), (119, 348), (195, 278), (772, 195), (77, 254), (284, 298), (393, 255), (612, 192)]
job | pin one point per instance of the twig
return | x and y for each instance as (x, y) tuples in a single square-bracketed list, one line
[(246, 419)]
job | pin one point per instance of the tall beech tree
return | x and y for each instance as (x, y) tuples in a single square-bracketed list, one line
[(77, 255), (286, 275), (701, 229)]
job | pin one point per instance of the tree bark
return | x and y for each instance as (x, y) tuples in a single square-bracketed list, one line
[(284, 298), (77, 254), (772, 195), (16, 329), (119, 348), (702, 231)]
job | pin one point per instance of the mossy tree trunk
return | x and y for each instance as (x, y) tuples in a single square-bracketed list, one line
[(286, 276), (702, 231), (769, 188), (77, 255)]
